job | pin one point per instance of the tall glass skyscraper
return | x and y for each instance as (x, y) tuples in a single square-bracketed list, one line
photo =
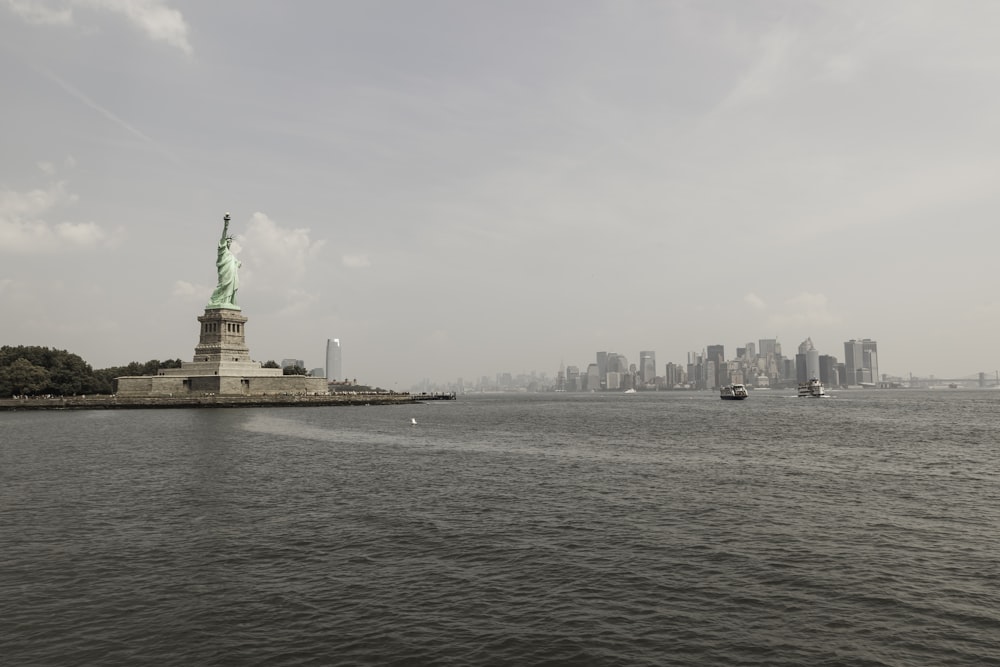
[(333, 360), (647, 366), (861, 361)]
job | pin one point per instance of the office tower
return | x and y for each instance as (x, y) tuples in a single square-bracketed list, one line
[(593, 378), (614, 380), (861, 361), (288, 363), (694, 370), (751, 352), (333, 369), (807, 361), (573, 382), (828, 370), (717, 355), (617, 363), (602, 368), (812, 363), (869, 358), (672, 375), (647, 366), (853, 361), (768, 347)]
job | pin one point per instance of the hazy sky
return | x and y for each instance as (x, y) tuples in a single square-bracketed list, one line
[(461, 188)]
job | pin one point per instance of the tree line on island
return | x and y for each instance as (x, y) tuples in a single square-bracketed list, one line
[(29, 370)]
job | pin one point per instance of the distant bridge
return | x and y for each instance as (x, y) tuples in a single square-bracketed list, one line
[(981, 379)]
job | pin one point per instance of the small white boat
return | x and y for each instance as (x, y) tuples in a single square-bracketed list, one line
[(413, 421), (812, 389), (733, 392)]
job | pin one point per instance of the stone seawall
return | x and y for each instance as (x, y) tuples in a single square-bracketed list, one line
[(277, 401)]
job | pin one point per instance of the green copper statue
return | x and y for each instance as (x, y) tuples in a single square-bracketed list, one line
[(224, 295)]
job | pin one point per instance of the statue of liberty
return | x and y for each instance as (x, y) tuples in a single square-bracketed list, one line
[(224, 295)]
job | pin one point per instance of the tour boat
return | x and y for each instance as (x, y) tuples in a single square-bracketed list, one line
[(733, 392), (812, 389)]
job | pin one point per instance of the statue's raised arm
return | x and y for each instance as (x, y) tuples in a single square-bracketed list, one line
[(225, 228), (228, 266)]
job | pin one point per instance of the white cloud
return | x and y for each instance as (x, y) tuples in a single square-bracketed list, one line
[(803, 311), (38, 14), (355, 261), (754, 301), (158, 21), (297, 301), (23, 228), (276, 259), (86, 234), (184, 290)]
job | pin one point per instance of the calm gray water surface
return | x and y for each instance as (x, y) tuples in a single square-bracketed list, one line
[(599, 529)]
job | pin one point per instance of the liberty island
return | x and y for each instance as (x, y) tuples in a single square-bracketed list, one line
[(222, 372)]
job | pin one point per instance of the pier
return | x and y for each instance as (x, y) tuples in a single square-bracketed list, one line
[(217, 401)]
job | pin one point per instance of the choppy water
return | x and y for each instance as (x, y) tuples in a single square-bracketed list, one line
[(652, 529)]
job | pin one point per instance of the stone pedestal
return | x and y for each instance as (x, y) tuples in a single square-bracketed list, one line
[(223, 336), (221, 366)]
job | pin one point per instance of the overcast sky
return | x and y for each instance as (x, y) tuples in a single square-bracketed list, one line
[(461, 188)]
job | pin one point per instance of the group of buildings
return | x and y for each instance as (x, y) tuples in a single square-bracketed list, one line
[(757, 365), (334, 363)]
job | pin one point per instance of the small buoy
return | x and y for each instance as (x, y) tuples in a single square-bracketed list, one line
[(413, 421)]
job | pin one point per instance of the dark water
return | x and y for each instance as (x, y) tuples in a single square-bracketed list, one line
[(652, 529)]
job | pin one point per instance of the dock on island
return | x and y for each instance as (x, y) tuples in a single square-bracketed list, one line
[(104, 402)]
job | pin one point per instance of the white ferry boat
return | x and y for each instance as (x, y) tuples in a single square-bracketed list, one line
[(812, 389), (733, 392)]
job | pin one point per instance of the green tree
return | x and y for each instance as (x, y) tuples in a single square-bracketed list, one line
[(271, 364), (23, 377), (68, 373), (295, 370)]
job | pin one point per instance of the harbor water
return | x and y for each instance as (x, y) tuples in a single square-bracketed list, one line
[(663, 528)]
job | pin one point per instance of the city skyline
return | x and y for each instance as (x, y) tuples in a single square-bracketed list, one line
[(773, 369), (631, 176)]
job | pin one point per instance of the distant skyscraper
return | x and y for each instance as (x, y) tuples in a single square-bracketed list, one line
[(828, 370), (808, 353), (853, 361), (869, 357), (647, 366), (861, 361), (614, 380), (333, 360), (717, 355), (602, 368), (573, 381)]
